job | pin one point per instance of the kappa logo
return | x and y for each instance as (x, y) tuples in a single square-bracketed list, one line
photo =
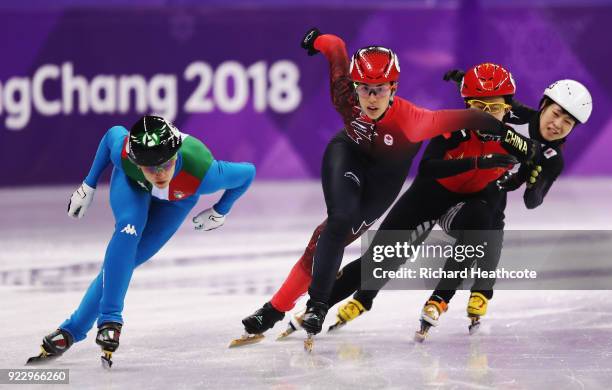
[(361, 130), (129, 229), (388, 139)]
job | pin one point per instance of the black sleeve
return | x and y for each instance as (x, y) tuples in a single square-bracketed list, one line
[(520, 113), (434, 165), (551, 169)]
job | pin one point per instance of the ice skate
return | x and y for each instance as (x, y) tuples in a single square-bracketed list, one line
[(477, 307), (53, 346), (295, 323), (313, 321), (347, 312), (108, 340), (256, 324), (430, 315)]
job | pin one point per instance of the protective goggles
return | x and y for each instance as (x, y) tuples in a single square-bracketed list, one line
[(364, 90), (161, 167), (493, 108)]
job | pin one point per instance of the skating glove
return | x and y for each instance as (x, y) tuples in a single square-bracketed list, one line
[(80, 201), (455, 75), (509, 182), (208, 219), (528, 174), (495, 160), (309, 40)]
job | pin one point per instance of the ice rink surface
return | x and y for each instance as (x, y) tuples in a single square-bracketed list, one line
[(185, 304)]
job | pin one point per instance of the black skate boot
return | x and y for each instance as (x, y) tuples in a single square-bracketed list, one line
[(263, 319), (257, 323), (313, 321), (108, 339), (53, 346)]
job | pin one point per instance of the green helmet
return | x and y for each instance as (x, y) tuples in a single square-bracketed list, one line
[(153, 141)]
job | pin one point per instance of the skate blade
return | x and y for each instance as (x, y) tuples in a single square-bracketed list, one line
[(42, 358), (474, 326), (106, 361), (290, 330), (420, 336), (336, 326), (309, 343), (246, 339)]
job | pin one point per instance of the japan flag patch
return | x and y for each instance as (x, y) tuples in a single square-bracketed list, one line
[(549, 153)]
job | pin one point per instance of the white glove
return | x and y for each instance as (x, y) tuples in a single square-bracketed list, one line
[(80, 201), (208, 219)]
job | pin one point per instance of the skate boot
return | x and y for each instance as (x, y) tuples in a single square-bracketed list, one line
[(430, 315), (108, 339), (53, 346), (347, 312), (256, 324), (294, 324), (477, 307), (313, 321)]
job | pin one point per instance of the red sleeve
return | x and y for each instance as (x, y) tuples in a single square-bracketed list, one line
[(420, 124), (342, 93)]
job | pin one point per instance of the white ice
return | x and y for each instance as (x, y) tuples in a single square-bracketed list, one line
[(185, 305)]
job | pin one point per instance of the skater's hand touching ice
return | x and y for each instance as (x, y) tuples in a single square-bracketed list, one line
[(208, 219), (309, 39), (80, 201)]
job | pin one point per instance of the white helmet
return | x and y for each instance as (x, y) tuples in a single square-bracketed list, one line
[(573, 97)]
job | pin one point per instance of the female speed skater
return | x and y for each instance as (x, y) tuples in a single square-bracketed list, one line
[(364, 167), (158, 176)]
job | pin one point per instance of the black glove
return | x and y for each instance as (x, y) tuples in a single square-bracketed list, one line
[(511, 181), (455, 75), (492, 133), (309, 39), (495, 161)]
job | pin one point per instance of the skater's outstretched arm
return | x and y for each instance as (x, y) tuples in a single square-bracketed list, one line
[(83, 196), (112, 137), (234, 178), (342, 90), (421, 124)]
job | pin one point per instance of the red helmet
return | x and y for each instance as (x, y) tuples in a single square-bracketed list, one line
[(374, 65), (487, 80)]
